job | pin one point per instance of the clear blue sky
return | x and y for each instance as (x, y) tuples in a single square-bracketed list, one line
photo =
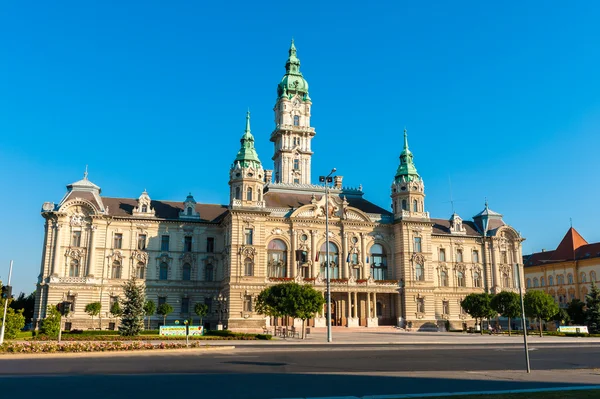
[(501, 99)]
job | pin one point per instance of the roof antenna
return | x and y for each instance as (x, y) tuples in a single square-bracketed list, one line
[(85, 174), (571, 222)]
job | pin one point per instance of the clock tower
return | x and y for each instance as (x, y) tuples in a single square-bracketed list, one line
[(292, 135)]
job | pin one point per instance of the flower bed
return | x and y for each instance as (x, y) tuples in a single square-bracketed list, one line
[(75, 347), (74, 338)]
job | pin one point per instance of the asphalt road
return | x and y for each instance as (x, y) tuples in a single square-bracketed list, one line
[(283, 372)]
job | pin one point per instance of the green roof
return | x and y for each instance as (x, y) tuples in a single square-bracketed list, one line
[(293, 82), (407, 167), (247, 156)]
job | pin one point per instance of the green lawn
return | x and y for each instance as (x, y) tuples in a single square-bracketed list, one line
[(586, 394)]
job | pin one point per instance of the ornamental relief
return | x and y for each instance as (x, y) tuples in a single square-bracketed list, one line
[(116, 255), (461, 267), (77, 219), (74, 254), (140, 256), (188, 257), (247, 252), (277, 231), (418, 258), (505, 269)]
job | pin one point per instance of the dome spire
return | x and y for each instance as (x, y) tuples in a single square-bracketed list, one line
[(293, 82), (247, 155), (248, 121), (407, 169)]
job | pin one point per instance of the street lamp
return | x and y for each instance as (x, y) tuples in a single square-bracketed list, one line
[(221, 308), (326, 180)]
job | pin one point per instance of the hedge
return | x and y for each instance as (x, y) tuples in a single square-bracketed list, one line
[(73, 347)]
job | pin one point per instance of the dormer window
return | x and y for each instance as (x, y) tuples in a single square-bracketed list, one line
[(189, 211), (296, 120), (144, 208)]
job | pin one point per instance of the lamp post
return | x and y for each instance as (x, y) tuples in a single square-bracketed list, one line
[(222, 308), (326, 180)]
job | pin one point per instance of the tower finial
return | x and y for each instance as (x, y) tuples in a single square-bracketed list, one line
[(405, 139), (248, 121), (486, 203), (85, 174)]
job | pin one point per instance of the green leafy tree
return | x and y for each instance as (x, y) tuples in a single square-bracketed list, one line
[(115, 310), (26, 303), (132, 315), (149, 310), (541, 306), (93, 309), (576, 311), (164, 310), (290, 300), (201, 309), (507, 304), (15, 320), (51, 324), (562, 316), (592, 312), (479, 306)]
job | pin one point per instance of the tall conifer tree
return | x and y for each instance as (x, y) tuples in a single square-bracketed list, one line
[(132, 317)]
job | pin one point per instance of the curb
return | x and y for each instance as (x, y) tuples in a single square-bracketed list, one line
[(146, 352)]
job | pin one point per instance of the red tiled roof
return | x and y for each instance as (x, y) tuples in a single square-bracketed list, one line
[(572, 246), (213, 213)]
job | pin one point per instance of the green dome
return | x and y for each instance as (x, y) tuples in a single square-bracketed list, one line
[(293, 82), (407, 170), (247, 156)]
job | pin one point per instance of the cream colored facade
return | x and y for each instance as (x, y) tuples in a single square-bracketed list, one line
[(399, 268)]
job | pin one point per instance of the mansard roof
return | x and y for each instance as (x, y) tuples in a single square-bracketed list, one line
[(124, 207), (442, 226)]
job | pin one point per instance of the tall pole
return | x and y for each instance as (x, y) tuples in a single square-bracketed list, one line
[(5, 306), (523, 319), (329, 338)]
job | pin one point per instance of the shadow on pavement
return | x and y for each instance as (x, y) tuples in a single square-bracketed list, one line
[(245, 386)]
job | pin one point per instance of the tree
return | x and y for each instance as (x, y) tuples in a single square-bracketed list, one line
[(291, 300), (52, 323), (15, 320), (576, 311), (507, 304), (26, 303), (562, 316), (115, 310), (541, 306), (201, 309), (93, 309), (132, 315), (479, 307), (149, 310), (164, 311), (592, 313)]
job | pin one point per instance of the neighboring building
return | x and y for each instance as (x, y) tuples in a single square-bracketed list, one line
[(387, 268), (567, 272)]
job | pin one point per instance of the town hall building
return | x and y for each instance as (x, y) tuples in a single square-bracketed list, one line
[(400, 267)]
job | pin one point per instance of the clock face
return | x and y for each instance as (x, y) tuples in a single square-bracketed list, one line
[(296, 103)]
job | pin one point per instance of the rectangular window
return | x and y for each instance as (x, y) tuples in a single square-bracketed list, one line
[(475, 257), (162, 300), (185, 305), (76, 239), (421, 305), (142, 241), (417, 244), (296, 181), (210, 244), (164, 243), (296, 164), (187, 244), (247, 303), (442, 255), (248, 236), (445, 307), (118, 241), (459, 257)]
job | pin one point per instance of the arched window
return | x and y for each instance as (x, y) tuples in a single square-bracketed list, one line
[(248, 267), (583, 277), (186, 272), (237, 193), (415, 206), (296, 120), (276, 258), (74, 268), (570, 278), (443, 278), (592, 276), (419, 272), (379, 262), (542, 281), (535, 282), (209, 272), (189, 211), (334, 271), (550, 280), (475, 257), (249, 194), (141, 270), (477, 279), (560, 279), (459, 255), (506, 280), (163, 272), (116, 269), (144, 208), (528, 283), (404, 205), (460, 279)]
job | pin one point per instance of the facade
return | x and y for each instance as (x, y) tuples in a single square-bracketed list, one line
[(567, 272), (387, 268)]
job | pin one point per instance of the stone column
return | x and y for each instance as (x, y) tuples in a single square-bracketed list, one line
[(91, 252), (368, 305), (349, 313), (292, 264), (355, 311), (363, 254), (345, 273), (313, 254), (56, 251), (374, 305)]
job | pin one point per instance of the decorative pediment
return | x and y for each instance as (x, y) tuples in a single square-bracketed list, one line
[(418, 258), (74, 253), (116, 255), (461, 267), (247, 252), (143, 208), (140, 256), (188, 257)]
